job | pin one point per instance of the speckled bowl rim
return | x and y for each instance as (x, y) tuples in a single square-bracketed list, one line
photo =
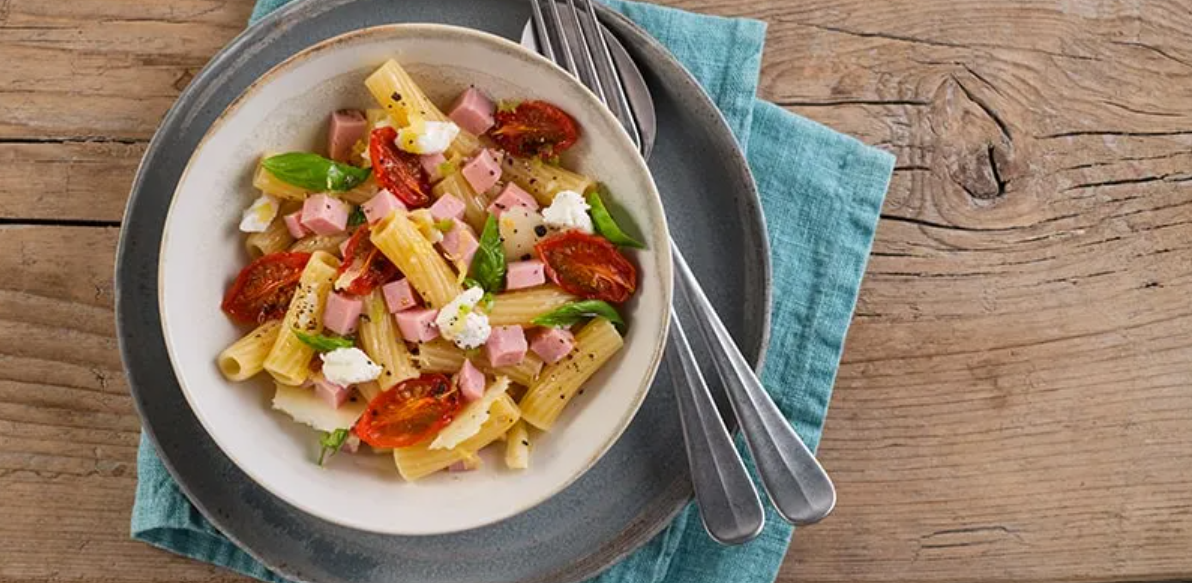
[(658, 226), (130, 328)]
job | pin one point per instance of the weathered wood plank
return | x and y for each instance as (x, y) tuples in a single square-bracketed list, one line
[(1012, 403)]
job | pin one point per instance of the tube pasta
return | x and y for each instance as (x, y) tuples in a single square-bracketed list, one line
[(418, 461), (400, 95), (519, 307), (427, 271), (289, 359), (378, 336), (439, 355), (595, 344), (517, 447), (273, 239), (475, 204), (325, 243), (246, 356), (542, 180)]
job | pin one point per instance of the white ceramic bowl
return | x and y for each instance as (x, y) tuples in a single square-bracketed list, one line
[(202, 251)]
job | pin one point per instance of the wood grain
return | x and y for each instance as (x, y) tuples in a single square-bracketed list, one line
[(1013, 402)]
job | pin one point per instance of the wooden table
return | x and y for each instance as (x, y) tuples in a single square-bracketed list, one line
[(1016, 398)]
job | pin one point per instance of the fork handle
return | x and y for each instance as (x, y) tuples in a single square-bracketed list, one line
[(796, 484), (728, 503)]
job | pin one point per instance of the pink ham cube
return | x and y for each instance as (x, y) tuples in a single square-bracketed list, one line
[(506, 346), (324, 215), (512, 195), (379, 206), (331, 393), (460, 243), (294, 225), (483, 170), (399, 296), (523, 274), (473, 111), (417, 325), (430, 165), (552, 344), (470, 381), (447, 207), (346, 128), (342, 313)]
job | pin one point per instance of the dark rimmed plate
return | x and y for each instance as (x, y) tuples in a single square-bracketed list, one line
[(616, 507)]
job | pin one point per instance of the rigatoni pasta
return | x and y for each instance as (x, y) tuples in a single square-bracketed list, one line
[(417, 288)]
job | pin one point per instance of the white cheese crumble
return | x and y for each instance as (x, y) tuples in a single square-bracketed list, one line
[(348, 366), (568, 211), (460, 322), (431, 137), (257, 217)]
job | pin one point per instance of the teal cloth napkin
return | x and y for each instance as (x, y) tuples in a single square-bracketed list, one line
[(821, 192)]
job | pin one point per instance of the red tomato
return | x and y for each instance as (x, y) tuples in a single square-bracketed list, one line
[(535, 128), (588, 266), (413, 410), (397, 171), (364, 266), (264, 288)]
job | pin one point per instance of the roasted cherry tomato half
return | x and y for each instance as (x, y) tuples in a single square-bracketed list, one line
[(535, 129), (364, 266), (410, 412), (397, 171), (587, 266), (264, 288)]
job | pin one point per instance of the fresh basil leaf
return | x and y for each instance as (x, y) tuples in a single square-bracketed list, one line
[(324, 343), (570, 314), (604, 223), (357, 217), (314, 172), (487, 301), (470, 283), (488, 265), (330, 442)]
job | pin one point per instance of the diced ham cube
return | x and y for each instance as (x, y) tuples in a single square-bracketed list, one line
[(347, 127), (552, 344), (324, 215), (399, 295), (294, 225), (417, 325), (483, 170), (473, 111), (460, 243), (512, 195), (342, 313), (523, 274), (380, 205), (447, 207), (430, 165), (331, 393), (506, 346), (470, 381)]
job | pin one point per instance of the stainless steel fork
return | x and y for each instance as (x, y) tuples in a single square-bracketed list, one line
[(794, 481)]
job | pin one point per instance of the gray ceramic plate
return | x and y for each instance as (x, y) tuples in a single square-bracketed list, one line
[(637, 487)]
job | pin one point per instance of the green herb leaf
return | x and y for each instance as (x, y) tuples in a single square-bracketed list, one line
[(507, 106), (470, 283), (314, 172), (324, 343), (570, 314), (330, 442), (487, 301), (488, 265), (357, 217), (445, 225), (604, 223), (449, 167)]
